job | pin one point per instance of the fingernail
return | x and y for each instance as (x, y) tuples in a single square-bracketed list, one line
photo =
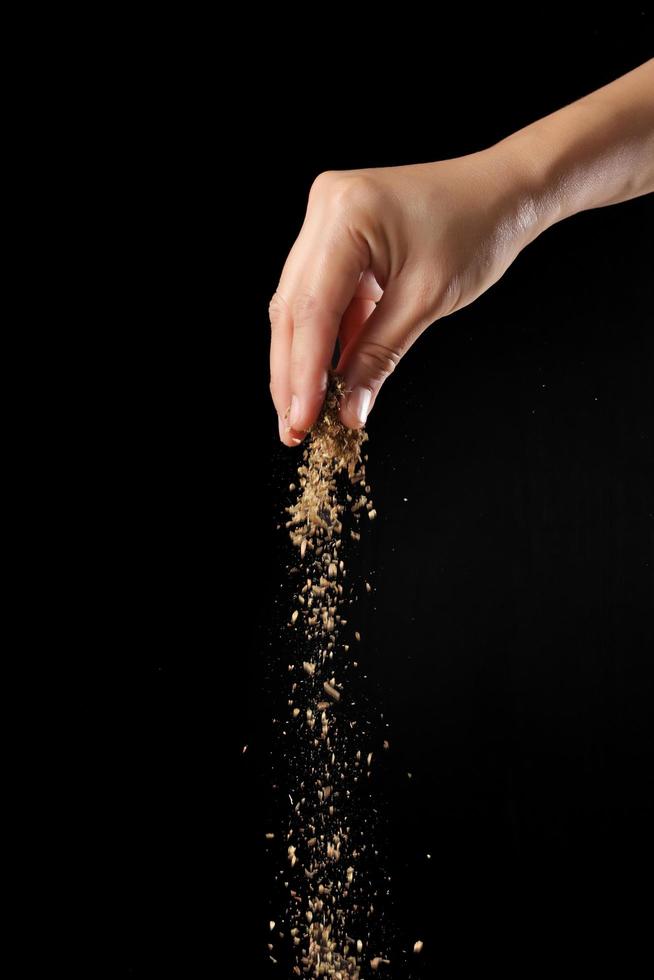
[(359, 403), (282, 427), (294, 414)]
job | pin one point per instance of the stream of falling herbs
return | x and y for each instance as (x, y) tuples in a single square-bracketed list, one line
[(331, 901)]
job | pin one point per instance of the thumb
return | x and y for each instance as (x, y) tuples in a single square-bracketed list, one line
[(375, 351)]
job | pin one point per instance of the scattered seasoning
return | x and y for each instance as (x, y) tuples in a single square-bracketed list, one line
[(329, 896), (333, 693)]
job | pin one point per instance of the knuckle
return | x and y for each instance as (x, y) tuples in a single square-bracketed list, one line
[(323, 183), (343, 190), (380, 361), (276, 309)]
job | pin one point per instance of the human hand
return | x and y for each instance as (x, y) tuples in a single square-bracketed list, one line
[(381, 255)]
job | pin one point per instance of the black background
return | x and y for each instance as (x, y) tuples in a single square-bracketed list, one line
[(510, 638)]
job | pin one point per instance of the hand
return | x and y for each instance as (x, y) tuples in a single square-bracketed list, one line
[(384, 253), (381, 255)]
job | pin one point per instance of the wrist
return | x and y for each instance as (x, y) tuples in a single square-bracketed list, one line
[(592, 153), (518, 181), (541, 175)]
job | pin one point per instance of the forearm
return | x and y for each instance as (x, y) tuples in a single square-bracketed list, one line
[(594, 152)]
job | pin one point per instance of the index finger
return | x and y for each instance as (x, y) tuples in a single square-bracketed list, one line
[(318, 294)]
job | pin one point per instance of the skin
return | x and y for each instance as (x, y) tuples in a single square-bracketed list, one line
[(383, 253)]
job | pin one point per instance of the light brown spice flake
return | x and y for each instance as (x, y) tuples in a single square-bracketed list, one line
[(333, 693), (324, 949)]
